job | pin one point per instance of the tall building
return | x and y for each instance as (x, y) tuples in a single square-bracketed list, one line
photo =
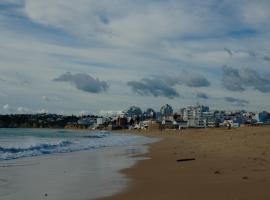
[(166, 110), (197, 116), (134, 112), (150, 113)]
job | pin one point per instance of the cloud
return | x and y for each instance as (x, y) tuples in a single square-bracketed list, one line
[(110, 112), (240, 80), (3, 94), (42, 111), (15, 79), (23, 110), (113, 38), (228, 51), (241, 53), (231, 79), (236, 101), (120, 21), (163, 86), (187, 78), (197, 81), (202, 95), (20, 110), (247, 54), (266, 58), (84, 82), (51, 98), (255, 14), (7, 108), (14, 2), (45, 98), (153, 86)]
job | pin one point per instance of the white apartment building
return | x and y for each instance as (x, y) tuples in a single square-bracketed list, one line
[(198, 116)]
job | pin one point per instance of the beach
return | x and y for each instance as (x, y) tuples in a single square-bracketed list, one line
[(65, 164), (225, 164)]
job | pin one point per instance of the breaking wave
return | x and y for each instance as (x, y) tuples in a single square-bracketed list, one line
[(19, 147)]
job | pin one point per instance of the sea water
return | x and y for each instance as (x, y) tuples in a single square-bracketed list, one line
[(18, 143), (64, 164)]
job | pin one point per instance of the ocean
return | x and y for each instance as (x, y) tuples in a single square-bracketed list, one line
[(65, 164)]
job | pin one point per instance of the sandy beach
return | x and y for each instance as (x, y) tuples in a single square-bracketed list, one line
[(228, 164)]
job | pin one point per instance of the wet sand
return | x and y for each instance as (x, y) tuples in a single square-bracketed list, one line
[(229, 164), (71, 176)]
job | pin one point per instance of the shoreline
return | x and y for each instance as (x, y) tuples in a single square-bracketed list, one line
[(229, 164), (82, 174), (74, 175)]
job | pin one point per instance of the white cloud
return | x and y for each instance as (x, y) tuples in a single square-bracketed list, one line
[(23, 110), (20, 110), (6, 107), (256, 13), (128, 23), (42, 111), (126, 40)]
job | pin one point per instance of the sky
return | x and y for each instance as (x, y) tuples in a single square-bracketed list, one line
[(92, 56)]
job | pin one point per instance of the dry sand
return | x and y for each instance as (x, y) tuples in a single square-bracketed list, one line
[(230, 164)]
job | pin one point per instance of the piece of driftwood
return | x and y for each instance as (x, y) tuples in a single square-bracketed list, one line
[(185, 159)]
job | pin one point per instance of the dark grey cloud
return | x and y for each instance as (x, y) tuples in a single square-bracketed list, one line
[(197, 81), (231, 79), (250, 53), (236, 101), (228, 51), (202, 95), (164, 85), (188, 79), (153, 86), (84, 82), (266, 58), (236, 80)]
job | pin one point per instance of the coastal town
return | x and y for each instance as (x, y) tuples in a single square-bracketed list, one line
[(197, 116), (134, 100)]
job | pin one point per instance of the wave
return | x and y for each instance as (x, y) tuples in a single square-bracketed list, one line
[(9, 153), (34, 146), (44, 148), (100, 135)]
